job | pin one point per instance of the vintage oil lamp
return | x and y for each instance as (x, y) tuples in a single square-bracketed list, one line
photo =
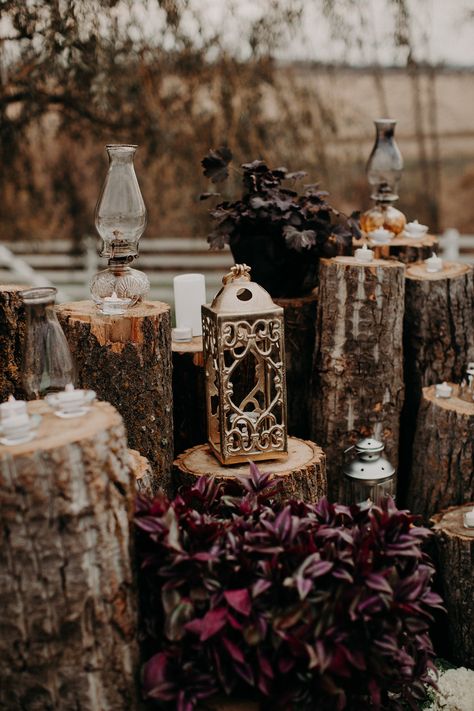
[(244, 358), (368, 476), (120, 220), (384, 170)]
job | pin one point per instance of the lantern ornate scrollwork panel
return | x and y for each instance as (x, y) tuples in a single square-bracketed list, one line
[(243, 341)]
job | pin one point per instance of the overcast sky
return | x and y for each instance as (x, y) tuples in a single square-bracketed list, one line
[(443, 30)]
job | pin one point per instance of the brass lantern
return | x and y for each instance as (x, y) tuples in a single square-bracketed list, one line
[(244, 357)]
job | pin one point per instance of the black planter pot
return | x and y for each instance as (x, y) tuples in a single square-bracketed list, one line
[(283, 272)]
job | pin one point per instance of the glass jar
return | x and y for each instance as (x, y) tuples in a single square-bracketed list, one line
[(47, 362)]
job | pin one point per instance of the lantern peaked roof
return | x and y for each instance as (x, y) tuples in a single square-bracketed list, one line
[(239, 295)]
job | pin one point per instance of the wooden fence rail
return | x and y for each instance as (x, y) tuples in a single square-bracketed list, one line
[(55, 262)]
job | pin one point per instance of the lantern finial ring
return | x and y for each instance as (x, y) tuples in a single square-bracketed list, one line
[(237, 272)]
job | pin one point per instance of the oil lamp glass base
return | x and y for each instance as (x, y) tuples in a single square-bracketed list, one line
[(383, 215), (124, 283)]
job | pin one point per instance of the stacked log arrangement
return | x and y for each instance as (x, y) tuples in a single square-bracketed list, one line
[(127, 361), (67, 600), (357, 387), (438, 339)]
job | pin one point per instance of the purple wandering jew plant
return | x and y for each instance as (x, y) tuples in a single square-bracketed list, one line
[(303, 606)]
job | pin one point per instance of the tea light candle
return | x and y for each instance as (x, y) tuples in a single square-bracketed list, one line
[(469, 519), (70, 402), (189, 296), (114, 305), (364, 254), (180, 335), (434, 263), (415, 229), (12, 407), (443, 390), (381, 235)]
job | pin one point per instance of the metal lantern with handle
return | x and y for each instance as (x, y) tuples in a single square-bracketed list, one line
[(244, 358), (368, 475)]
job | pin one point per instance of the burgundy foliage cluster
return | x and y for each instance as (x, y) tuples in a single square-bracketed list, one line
[(305, 606), (279, 233)]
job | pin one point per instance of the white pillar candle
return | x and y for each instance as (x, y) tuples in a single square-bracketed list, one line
[(189, 296), (469, 519), (434, 263), (364, 254), (443, 390)]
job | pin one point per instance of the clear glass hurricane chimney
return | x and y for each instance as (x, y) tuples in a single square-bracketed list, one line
[(120, 220)]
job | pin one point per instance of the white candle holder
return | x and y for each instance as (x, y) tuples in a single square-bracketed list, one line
[(71, 402), (16, 425), (415, 229), (364, 254), (469, 519), (434, 263), (189, 296), (114, 305), (381, 236), (443, 390)]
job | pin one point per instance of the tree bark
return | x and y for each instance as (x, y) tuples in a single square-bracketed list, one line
[(455, 554), (127, 361), (12, 332), (404, 249), (438, 339), (302, 475), (443, 454), (189, 400), (300, 324), (145, 481), (67, 600), (357, 387)]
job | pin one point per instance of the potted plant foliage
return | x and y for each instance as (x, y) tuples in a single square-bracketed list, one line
[(278, 232), (300, 606)]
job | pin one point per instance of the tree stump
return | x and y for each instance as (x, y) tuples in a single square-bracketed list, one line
[(12, 331), (145, 482), (443, 454), (189, 399), (455, 557), (403, 249), (67, 601), (438, 338), (127, 361), (300, 324), (357, 388), (302, 475)]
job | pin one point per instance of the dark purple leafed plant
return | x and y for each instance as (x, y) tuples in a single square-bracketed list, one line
[(305, 606), (279, 233)]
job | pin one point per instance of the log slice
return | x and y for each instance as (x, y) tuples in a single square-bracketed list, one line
[(301, 475)]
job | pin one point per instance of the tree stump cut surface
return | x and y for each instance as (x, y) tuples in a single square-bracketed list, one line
[(302, 475), (189, 398), (127, 361), (438, 337), (403, 249), (443, 454), (300, 326), (357, 388), (455, 557), (67, 600), (12, 332)]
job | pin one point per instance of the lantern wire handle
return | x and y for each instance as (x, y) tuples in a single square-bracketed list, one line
[(237, 272)]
